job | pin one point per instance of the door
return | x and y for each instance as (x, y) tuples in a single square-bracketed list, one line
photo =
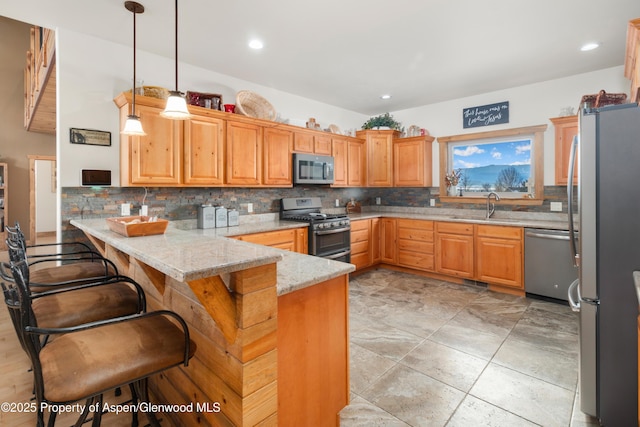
[(244, 153)]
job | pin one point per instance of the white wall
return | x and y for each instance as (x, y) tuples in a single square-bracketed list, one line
[(45, 196), (91, 72), (528, 106)]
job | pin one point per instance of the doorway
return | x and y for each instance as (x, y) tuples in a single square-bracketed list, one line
[(42, 199)]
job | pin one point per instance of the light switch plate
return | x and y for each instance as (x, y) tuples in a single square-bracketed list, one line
[(125, 209), (249, 207), (556, 207), (432, 202)]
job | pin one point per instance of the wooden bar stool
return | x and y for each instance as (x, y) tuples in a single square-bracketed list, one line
[(87, 360)]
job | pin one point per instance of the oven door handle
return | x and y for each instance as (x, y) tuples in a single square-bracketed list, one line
[(338, 255), (334, 231)]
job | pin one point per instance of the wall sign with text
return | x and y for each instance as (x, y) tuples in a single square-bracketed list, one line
[(486, 115)]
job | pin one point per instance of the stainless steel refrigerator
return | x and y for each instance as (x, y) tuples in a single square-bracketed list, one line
[(607, 253)]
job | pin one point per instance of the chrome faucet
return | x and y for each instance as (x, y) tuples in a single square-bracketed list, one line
[(491, 207)]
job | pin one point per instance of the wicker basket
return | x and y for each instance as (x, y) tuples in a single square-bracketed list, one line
[(603, 98), (253, 105), (156, 92)]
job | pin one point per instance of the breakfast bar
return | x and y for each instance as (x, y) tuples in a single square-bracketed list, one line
[(254, 312)]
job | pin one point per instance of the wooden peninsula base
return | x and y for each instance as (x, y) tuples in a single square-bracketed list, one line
[(262, 358)]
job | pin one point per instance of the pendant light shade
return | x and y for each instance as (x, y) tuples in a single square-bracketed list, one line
[(133, 126), (176, 104)]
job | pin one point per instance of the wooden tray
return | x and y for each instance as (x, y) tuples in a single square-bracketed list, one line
[(134, 226)]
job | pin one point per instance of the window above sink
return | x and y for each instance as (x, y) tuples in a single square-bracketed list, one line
[(508, 162)]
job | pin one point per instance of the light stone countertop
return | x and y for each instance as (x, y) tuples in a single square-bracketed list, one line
[(186, 253), (551, 221)]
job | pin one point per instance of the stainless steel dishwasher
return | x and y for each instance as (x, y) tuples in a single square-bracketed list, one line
[(548, 267)]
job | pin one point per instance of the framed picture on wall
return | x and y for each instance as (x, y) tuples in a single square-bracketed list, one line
[(89, 137)]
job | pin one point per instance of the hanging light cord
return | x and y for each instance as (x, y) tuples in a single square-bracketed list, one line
[(176, 26), (133, 97)]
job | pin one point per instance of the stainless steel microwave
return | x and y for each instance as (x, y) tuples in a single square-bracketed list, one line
[(312, 169)]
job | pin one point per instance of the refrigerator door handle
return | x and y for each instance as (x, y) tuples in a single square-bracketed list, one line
[(572, 164), (574, 303)]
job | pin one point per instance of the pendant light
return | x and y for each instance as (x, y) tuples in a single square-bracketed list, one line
[(176, 104), (133, 126)]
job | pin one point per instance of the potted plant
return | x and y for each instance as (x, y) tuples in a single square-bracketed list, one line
[(385, 121)]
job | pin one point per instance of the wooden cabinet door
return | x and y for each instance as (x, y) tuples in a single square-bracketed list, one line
[(412, 162), (356, 163), (244, 154), (499, 255), (454, 249), (322, 145), (339, 152), (388, 253), (303, 142), (155, 158), (277, 150), (379, 159), (374, 240), (565, 129), (204, 151)]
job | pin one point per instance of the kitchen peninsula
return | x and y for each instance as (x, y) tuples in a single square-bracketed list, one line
[(271, 326)]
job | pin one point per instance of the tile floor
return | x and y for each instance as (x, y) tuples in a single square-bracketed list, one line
[(425, 352)]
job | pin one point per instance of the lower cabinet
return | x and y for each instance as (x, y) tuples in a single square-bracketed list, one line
[(499, 255), (486, 253), (388, 244), (294, 240), (454, 249), (415, 244)]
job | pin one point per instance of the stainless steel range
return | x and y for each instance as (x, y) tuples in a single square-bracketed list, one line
[(329, 234)]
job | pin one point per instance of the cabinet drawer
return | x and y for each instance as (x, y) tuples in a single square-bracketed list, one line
[(415, 223), (362, 224), (360, 247), (454, 228), (359, 235), (413, 246), (499, 231), (360, 260), (415, 234), (415, 260)]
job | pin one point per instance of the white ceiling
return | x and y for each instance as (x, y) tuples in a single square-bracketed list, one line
[(347, 53)]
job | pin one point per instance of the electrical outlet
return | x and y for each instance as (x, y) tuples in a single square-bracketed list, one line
[(556, 207), (337, 203), (249, 207), (378, 200), (432, 202), (125, 209), (144, 210)]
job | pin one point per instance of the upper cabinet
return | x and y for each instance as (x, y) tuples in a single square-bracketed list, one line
[(40, 82), (212, 148), (379, 156), (155, 158), (566, 128), (215, 148), (632, 59), (412, 161), (311, 142)]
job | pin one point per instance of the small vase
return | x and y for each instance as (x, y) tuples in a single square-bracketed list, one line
[(453, 190)]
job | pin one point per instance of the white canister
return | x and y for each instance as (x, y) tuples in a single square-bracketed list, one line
[(233, 218), (206, 216), (221, 216)]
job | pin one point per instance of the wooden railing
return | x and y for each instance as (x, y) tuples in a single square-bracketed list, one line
[(40, 82)]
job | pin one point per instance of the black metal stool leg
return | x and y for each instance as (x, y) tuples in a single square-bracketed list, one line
[(143, 392), (97, 414), (134, 401), (85, 412)]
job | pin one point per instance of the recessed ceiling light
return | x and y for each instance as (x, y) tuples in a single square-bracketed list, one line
[(589, 46), (385, 96), (256, 44)]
